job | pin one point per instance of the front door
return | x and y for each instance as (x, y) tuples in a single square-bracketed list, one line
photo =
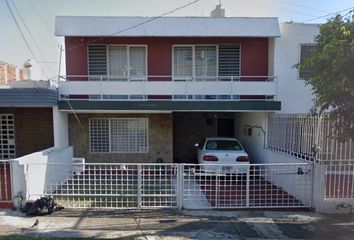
[(226, 127)]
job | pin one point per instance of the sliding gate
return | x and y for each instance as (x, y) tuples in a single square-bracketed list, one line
[(177, 185), (250, 186)]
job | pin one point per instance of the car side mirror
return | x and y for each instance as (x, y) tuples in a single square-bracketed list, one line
[(196, 144)]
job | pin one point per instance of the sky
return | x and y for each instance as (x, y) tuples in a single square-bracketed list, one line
[(36, 19)]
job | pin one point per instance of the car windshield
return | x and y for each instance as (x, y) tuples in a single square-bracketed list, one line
[(223, 145)]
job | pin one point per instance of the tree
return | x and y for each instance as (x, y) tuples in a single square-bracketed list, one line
[(332, 72)]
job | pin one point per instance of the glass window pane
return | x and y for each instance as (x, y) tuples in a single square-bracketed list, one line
[(205, 61), (137, 58), (182, 61), (118, 66)]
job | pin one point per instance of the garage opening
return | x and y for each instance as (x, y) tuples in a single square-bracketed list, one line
[(190, 127), (225, 127)]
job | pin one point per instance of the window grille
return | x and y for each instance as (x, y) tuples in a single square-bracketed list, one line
[(97, 60), (305, 53), (99, 135), (119, 135), (229, 60), (7, 136)]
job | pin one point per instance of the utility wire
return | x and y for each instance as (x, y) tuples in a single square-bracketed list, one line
[(31, 36), (303, 6), (40, 16), (285, 9), (134, 26), (23, 36), (330, 14)]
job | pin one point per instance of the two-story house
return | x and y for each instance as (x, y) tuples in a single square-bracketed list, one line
[(145, 89)]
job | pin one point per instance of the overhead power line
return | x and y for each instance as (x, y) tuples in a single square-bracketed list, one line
[(40, 16), (330, 14), (303, 6), (134, 26), (23, 36), (32, 37)]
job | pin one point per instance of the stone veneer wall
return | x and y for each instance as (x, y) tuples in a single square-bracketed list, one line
[(160, 139)]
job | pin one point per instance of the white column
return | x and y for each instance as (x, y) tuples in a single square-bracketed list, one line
[(60, 128)]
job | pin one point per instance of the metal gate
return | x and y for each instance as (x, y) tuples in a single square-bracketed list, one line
[(249, 186), (5, 184), (176, 185)]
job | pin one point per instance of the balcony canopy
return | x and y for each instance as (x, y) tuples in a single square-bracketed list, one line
[(167, 26)]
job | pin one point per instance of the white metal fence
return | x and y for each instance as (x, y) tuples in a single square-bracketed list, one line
[(5, 183), (118, 185), (309, 137), (339, 181), (113, 185), (314, 138)]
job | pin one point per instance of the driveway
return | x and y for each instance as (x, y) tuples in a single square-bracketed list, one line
[(174, 224)]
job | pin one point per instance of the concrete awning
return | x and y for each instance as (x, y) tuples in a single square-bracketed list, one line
[(167, 26)]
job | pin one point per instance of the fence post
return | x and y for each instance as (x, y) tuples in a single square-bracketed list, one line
[(139, 186), (27, 179), (180, 187), (248, 187)]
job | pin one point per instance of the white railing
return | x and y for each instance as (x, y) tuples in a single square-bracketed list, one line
[(180, 88), (128, 185)]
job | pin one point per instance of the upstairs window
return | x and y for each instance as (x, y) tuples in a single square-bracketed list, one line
[(305, 53), (117, 62), (183, 62), (204, 62)]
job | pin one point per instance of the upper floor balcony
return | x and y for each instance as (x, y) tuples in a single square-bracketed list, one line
[(168, 88)]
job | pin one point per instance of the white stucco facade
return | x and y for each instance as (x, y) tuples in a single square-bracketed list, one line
[(294, 95), (167, 26)]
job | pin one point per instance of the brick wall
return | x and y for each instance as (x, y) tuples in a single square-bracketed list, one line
[(11, 73), (21, 74), (160, 139), (33, 130), (2, 73)]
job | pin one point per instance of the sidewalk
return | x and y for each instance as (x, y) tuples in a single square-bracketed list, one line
[(174, 224)]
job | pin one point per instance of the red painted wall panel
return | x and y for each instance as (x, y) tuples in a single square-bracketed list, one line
[(254, 52), (76, 56)]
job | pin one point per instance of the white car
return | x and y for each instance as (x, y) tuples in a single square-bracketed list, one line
[(221, 154)]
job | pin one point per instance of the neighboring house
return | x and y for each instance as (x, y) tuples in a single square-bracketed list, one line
[(26, 126), (26, 113), (147, 92), (10, 72)]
